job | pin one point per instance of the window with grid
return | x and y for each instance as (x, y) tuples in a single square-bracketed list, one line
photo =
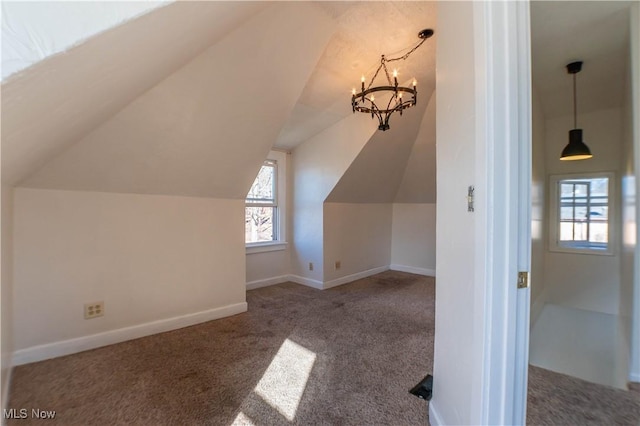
[(582, 218), (261, 209)]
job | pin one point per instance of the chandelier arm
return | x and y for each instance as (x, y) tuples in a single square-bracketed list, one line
[(376, 74), (386, 71)]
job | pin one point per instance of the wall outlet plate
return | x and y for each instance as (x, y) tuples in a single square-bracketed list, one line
[(338, 264), (311, 266), (93, 310)]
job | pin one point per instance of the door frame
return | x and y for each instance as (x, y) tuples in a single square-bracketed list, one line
[(503, 46)]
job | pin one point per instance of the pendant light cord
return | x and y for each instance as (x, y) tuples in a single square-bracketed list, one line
[(575, 104)]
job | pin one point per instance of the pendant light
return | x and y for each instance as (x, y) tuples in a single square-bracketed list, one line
[(576, 149)]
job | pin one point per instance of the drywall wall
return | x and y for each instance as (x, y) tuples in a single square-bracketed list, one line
[(585, 281), (317, 165), (183, 126), (375, 174), (538, 208), (149, 258), (413, 240), (6, 292), (71, 94), (456, 343), (418, 184), (30, 34), (358, 235)]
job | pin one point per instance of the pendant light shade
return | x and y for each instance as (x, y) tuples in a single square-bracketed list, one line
[(576, 149)]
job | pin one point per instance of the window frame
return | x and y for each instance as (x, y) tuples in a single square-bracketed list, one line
[(554, 214), (279, 160)]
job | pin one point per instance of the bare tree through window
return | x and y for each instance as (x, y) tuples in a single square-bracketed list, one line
[(261, 211)]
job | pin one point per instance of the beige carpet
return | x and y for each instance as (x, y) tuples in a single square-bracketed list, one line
[(364, 345), (299, 356)]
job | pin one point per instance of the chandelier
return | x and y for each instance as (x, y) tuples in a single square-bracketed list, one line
[(391, 95)]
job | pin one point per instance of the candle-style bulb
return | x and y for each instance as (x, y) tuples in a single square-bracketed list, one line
[(400, 95), (373, 98), (395, 73), (362, 79), (415, 83), (353, 91)]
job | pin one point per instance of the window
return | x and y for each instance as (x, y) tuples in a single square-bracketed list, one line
[(581, 213), (261, 211), (265, 206)]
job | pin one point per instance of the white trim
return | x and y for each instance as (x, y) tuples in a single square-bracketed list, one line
[(252, 285), (306, 281), (358, 275), (502, 215), (413, 270), (79, 344), (554, 246), (434, 417), (634, 359), (634, 377), (254, 248)]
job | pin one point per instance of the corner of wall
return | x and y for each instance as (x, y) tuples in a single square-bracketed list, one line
[(6, 293)]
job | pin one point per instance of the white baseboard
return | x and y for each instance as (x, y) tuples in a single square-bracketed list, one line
[(413, 270), (434, 417), (634, 377), (79, 344), (252, 285), (306, 281), (353, 277)]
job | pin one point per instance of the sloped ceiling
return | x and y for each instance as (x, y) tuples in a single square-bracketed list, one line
[(419, 181), (53, 104), (595, 32), (365, 30), (31, 34), (376, 173), (188, 99), (205, 129)]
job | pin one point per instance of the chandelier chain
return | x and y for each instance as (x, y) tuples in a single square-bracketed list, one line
[(383, 61)]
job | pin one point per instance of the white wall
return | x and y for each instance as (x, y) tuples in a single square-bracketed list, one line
[(456, 343), (584, 281), (538, 209), (358, 235), (30, 34), (149, 258), (419, 181), (413, 241), (629, 222), (6, 293), (632, 109), (317, 165)]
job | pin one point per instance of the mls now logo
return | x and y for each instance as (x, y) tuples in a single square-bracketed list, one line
[(23, 413)]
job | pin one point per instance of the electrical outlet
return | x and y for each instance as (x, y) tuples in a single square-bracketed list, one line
[(311, 266), (338, 264), (93, 310)]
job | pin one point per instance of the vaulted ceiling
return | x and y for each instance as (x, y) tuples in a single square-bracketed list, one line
[(181, 99)]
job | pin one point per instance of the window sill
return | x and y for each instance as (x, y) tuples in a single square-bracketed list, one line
[(572, 250), (265, 247)]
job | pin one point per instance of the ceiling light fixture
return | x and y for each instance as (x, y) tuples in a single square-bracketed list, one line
[(392, 94), (576, 149)]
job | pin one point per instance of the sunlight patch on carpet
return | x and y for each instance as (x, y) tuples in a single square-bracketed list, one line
[(284, 382), (242, 420)]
